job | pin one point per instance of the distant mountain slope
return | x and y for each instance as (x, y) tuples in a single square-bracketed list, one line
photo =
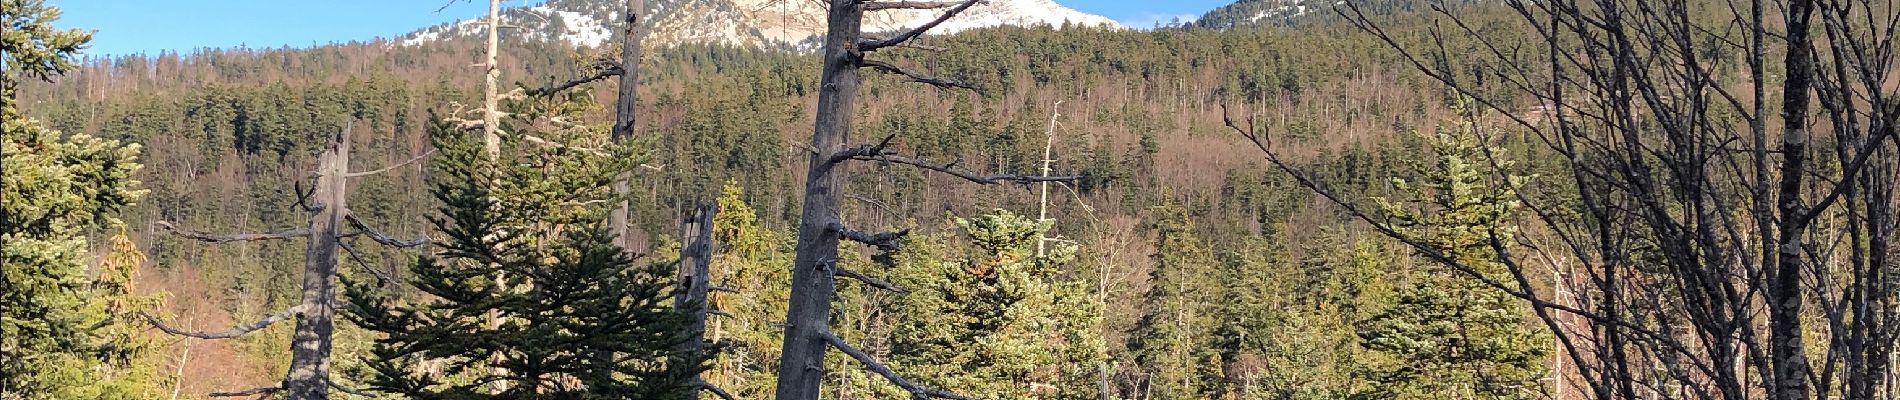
[(762, 23), (1263, 13)]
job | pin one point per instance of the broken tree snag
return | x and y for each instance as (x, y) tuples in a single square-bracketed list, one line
[(236, 331), (695, 258), (913, 33), (241, 237), (886, 241), (309, 375), (868, 280), (917, 392), (893, 69)]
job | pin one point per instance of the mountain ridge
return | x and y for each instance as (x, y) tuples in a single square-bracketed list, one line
[(757, 23)]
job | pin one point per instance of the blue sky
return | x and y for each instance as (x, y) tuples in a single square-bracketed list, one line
[(134, 26)]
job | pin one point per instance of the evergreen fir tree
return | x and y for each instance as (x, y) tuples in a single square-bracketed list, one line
[(1447, 334), (565, 294), (1173, 340), (998, 322), (61, 330)]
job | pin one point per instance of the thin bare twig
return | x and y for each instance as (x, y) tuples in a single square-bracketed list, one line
[(386, 169)]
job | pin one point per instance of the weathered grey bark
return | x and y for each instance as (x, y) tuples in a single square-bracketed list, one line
[(814, 273), (624, 119), (696, 249), (801, 362), (309, 376)]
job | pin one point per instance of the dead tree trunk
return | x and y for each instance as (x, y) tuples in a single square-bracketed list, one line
[(820, 228), (309, 375), (696, 249), (624, 119)]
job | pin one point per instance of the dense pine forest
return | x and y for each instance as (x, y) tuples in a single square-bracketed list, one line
[(1383, 199)]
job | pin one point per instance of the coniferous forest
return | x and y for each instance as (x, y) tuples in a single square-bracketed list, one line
[(1283, 199)]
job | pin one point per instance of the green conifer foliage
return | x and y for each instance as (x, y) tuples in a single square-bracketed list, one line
[(1447, 334), (58, 337), (1174, 340), (997, 321), (524, 239), (751, 261)]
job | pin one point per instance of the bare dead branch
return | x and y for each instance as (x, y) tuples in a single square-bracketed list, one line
[(870, 46), (939, 82), (386, 169), (916, 391), (886, 241), (863, 150), (603, 69), (263, 391), (239, 330), (908, 5), (716, 391), (951, 169), (242, 237), (726, 289), (868, 280), (379, 237), (381, 276)]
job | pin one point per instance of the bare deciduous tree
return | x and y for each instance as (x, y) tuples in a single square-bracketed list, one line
[(1702, 240)]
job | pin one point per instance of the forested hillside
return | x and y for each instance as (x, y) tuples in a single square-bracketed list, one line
[(1393, 241)]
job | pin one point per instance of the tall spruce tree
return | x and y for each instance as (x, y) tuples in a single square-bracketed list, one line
[(1174, 339), (1447, 334), (58, 332), (997, 322), (537, 215)]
